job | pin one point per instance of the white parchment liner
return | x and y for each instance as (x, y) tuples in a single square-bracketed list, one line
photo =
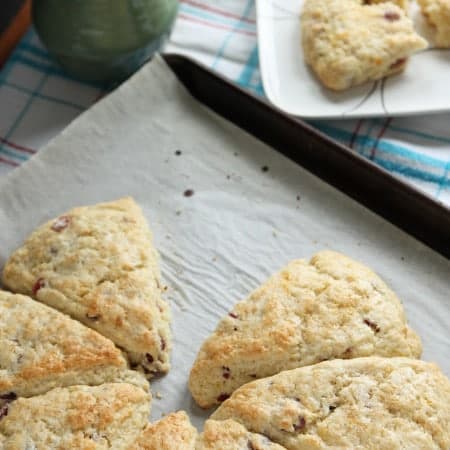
[(240, 225)]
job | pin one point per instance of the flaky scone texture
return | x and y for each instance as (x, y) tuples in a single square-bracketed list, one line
[(328, 307), (98, 265), (437, 13), (348, 43), (366, 403), (173, 432), (110, 416), (41, 348), (230, 435)]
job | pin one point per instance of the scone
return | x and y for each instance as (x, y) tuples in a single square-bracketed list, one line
[(98, 265), (326, 308), (347, 43), (41, 348), (110, 416), (366, 403), (230, 435), (437, 13), (173, 432)]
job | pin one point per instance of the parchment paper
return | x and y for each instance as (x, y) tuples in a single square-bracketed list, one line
[(240, 225)]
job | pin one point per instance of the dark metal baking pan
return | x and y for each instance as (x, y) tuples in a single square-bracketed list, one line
[(375, 188)]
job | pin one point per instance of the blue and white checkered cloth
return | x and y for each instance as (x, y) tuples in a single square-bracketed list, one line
[(38, 100)]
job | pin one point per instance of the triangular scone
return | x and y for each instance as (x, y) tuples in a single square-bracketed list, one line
[(98, 264), (364, 403), (110, 416), (347, 43), (41, 348), (330, 307), (173, 432), (437, 13), (230, 435)]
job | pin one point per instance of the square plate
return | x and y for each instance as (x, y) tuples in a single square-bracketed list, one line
[(291, 86)]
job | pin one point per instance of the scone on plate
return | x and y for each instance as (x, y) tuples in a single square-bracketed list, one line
[(41, 348), (173, 432), (437, 13), (98, 265), (347, 43), (365, 403), (326, 308), (110, 416)]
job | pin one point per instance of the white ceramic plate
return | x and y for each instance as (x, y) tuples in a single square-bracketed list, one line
[(290, 85)]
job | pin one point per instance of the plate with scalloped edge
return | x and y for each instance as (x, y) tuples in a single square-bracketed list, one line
[(291, 86)]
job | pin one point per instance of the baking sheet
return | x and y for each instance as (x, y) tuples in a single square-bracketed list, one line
[(252, 210)]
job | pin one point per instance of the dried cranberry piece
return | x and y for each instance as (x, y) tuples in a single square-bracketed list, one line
[(250, 446), (253, 375), (223, 397), (373, 325), (163, 343), (61, 223), (398, 63), (348, 352), (233, 315), (4, 410), (392, 16), (226, 372), (300, 425), (149, 357), (40, 283), (10, 396)]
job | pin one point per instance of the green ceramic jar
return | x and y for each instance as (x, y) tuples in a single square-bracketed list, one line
[(103, 40)]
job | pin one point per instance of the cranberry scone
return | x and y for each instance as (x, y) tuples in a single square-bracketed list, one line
[(326, 308), (98, 265), (175, 432), (109, 416), (41, 349), (231, 435), (364, 403), (348, 42), (437, 13)]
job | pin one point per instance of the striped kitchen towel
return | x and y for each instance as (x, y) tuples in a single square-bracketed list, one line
[(37, 100)]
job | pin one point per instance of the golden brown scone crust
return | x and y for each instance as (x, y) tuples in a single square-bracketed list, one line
[(98, 265), (347, 43), (367, 403), (330, 307), (41, 348), (437, 13), (173, 432), (109, 416), (230, 435)]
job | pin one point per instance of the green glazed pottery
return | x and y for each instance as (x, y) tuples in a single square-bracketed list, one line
[(103, 40)]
